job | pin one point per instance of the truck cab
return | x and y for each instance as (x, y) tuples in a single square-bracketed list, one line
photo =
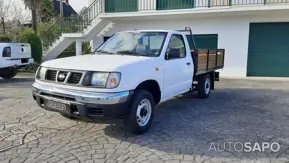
[(126, 77)]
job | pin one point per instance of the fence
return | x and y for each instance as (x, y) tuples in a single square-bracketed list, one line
[(143, 5)]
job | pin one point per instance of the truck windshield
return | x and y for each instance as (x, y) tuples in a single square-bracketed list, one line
[(135, 43)]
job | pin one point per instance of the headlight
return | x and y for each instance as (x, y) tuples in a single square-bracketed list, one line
[(99, 79), (105, 80), (41, 73)]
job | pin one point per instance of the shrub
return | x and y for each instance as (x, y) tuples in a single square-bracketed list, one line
[(66, 54), (46, 31), (31, 68), (28, 36), (42, 28), (4, 38), (70, 50), (86, 48), (14, 34)]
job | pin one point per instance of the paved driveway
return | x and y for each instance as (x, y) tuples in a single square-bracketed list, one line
[(185, 129)]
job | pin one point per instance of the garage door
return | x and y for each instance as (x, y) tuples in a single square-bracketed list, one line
[(268, 53), (209, 41)]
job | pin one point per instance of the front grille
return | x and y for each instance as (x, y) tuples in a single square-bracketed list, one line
[(64, 77), (75, 78), (51, 75)]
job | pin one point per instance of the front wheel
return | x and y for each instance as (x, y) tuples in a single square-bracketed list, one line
[(9, 73), (204, 86), (141, 112)]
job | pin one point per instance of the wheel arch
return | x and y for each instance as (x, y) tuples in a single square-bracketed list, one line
[(212, 76), (153, 87)]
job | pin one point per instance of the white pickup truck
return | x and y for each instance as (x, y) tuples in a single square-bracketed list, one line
[(127, 76), (12, 57)]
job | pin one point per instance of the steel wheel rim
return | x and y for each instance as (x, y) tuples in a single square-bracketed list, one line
[(207, 86), (143, 113)]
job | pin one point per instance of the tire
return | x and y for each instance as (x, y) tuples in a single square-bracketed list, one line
[(204, 86), (12, 72), (140, 114)]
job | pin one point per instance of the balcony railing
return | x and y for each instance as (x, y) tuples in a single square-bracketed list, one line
[(144, 5), (80, 22)]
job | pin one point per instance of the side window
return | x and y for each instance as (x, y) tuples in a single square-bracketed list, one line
[(153, 44), (176, 47)]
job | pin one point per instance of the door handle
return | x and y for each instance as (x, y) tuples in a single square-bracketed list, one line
[(188, 63)]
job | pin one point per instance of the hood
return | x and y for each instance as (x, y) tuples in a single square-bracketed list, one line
[(95, 62)]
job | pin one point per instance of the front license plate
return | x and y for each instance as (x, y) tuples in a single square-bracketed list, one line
[(56, 105)]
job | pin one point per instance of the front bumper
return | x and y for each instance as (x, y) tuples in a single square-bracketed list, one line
[(82, 104)]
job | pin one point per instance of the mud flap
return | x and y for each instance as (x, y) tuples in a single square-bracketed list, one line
[(217, 76)]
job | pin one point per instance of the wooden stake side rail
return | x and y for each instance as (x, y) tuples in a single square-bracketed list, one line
[(209, 60)]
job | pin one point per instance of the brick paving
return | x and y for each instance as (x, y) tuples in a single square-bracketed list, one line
[(183, 130)]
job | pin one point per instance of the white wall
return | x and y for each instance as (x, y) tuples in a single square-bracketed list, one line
[(233, 33), (90, 1)]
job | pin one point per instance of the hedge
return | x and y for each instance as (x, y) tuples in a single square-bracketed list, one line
[(4, 38), (70, 50), (66, 54), (28, 36), (31, 68)]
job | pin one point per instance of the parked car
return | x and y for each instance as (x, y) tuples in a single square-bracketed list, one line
[(14, 56), (127, 76)]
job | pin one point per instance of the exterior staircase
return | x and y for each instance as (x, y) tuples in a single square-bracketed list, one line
[(83, 28)]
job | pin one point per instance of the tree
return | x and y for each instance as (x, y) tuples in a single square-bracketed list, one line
[(48, 12), (18, 14), (34, 6), (12, 16), (4, 11)]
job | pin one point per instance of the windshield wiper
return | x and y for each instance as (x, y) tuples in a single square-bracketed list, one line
[(103, 51), (130, 53)]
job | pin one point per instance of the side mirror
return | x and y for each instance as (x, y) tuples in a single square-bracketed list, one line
[(173, 54)]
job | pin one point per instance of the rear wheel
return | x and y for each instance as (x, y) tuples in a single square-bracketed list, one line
[(141, 112), (204, 86), (9, 73)]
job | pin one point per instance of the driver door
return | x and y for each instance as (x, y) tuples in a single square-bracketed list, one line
[(177, 68)]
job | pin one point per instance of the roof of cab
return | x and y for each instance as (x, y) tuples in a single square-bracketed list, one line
[(152, 30)]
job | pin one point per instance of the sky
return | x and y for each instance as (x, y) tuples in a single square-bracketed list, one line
[(78, 4)]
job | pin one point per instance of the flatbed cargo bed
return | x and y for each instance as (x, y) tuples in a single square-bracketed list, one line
[(208, 60)]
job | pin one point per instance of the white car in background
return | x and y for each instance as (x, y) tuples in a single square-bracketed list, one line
[(12, 57)]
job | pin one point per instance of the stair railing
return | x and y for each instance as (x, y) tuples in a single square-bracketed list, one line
[(72, 24)]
